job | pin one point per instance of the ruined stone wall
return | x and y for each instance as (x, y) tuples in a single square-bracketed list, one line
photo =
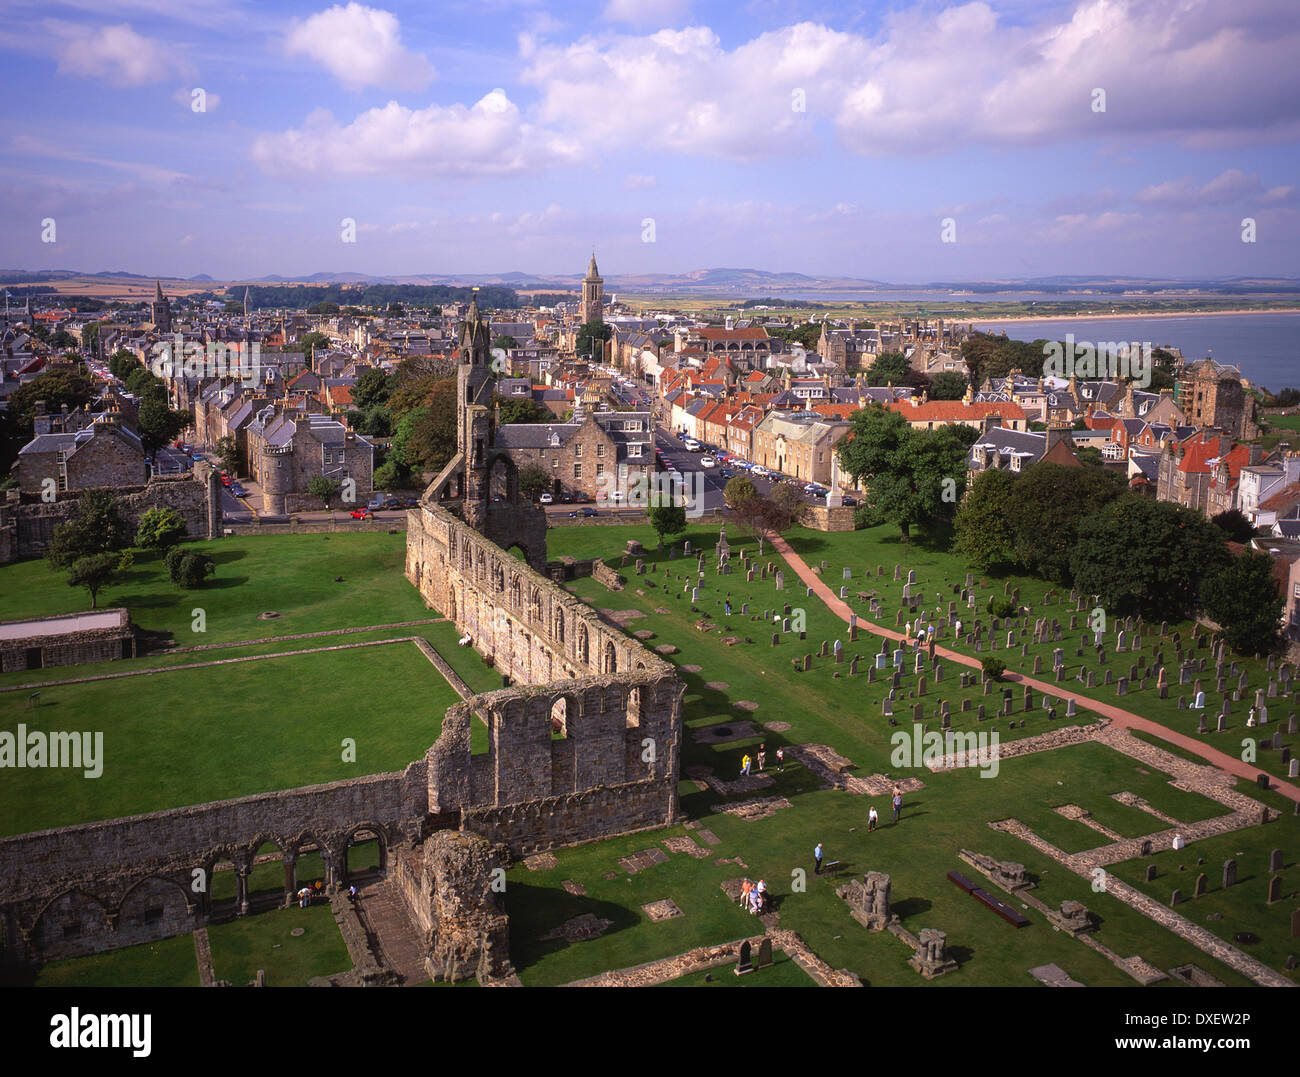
[(196, 497), (69, 891), (589, 748)]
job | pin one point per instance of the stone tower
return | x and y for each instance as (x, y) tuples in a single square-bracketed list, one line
[(593, 293), (161, 310), (473, 413)]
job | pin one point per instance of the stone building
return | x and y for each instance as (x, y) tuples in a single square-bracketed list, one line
[(587, 454), (285, 453), (593, 294), (1213, 395), (799, 444), (106, 453)]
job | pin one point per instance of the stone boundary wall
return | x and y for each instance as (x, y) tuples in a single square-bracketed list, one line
[(27, 528), (317, 527)]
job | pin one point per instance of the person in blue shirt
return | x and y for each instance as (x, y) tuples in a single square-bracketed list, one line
[(817, 858)]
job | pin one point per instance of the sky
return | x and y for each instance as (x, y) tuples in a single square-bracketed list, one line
[(906, 142)]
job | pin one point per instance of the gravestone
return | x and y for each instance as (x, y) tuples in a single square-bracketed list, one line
[(764, 958), (1151, 873), (743, 964), (1175, 898), (1275, 889), (1275, 860), (1229, 873), (1200, 886)]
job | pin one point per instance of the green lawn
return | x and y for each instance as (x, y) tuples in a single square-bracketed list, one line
[(193, 736), (241, 947), (169, 963)]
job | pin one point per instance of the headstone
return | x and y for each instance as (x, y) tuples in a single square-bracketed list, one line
[(1175, 898), (1200, 886), (1229, 873), (743, 964), (1275, 860), (764, 958), (1275, 889), (1151, 873)]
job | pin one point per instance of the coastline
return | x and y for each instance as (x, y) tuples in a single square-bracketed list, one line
[(1116, 317)]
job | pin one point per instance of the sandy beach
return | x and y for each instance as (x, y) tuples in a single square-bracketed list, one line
[(1108, 317)]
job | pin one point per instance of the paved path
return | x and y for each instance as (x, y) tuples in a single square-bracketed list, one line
[(383, 911), (1121, 717)]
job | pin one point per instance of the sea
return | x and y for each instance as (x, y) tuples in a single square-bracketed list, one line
[(1266, 347)]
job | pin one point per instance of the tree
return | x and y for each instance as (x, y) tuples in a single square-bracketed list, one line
[(1044, 510), (911, 476), (1245, 601), (738, 489), (309, 342), (588, 335), (90, 336), (1146, 556), (95, 528), (228, 454), (948, 385), (377, 422), (984, 535), (160, 528), (96, 571), (787, 496), (533, 480), (505, 342), (1090, 455), (1234, 524), (667, 518), (373, 388), (122, 363), (396, 310), (523, 409), (159, 425), (63, 339), (233, 306), (323, 487), (390, 475), (889, 368), (56, 388), (188, 568)]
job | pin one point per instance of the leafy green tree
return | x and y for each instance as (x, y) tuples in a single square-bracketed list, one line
[(984, 535), (993, 668), (787, 496), (523, 410), (56, 388), (1090, 455), (396, 310), (1146, 556), (188, 568), (323, 487), (948, 385), (227, 452), (160, 528), (1244, 599), (90, 336), (889, 368), (390, 475), (590, 334), (1234, 525), (122, 363), (309, 342), (667, 518), (377, 422), (534, 480), (96, 571), (911, 476), (233, 306), (505, 342), (159, 425), (63, 339), (96, 527), (1044, 510), (373, 388), (737, 490)]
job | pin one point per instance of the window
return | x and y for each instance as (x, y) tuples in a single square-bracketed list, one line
[(600, 450), (577, 471), (600, 470), (577, 449), (634, 450)]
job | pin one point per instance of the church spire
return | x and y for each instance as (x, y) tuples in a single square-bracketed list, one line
[(157, 291), (592, 272)]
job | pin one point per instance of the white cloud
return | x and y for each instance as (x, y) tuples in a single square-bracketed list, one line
[(1230, 186), (490, 138), (639, 183), (116, 54), (360, 46)]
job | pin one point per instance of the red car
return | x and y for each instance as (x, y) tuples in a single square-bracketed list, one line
[(362, 514)]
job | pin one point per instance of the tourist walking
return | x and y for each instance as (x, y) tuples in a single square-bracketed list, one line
[(817, 859), (745, 764), (898, 803), (762, 757), (780, 760), (872, 818)]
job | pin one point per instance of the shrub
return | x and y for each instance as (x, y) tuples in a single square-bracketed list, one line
[(188, 568), (993, 668), (1001, 607)]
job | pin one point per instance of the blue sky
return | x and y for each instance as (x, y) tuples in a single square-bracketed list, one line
[(485, 137)]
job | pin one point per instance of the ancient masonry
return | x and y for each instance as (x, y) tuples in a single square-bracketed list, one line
[(582, 744)]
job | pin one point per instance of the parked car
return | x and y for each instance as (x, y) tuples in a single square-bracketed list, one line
[(225, 479), (377, 502), (238, 490), (708, 461), (547, 499)]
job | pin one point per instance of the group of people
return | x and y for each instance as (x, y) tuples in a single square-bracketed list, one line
[(318, 890), (753, 896), (747, 764)]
